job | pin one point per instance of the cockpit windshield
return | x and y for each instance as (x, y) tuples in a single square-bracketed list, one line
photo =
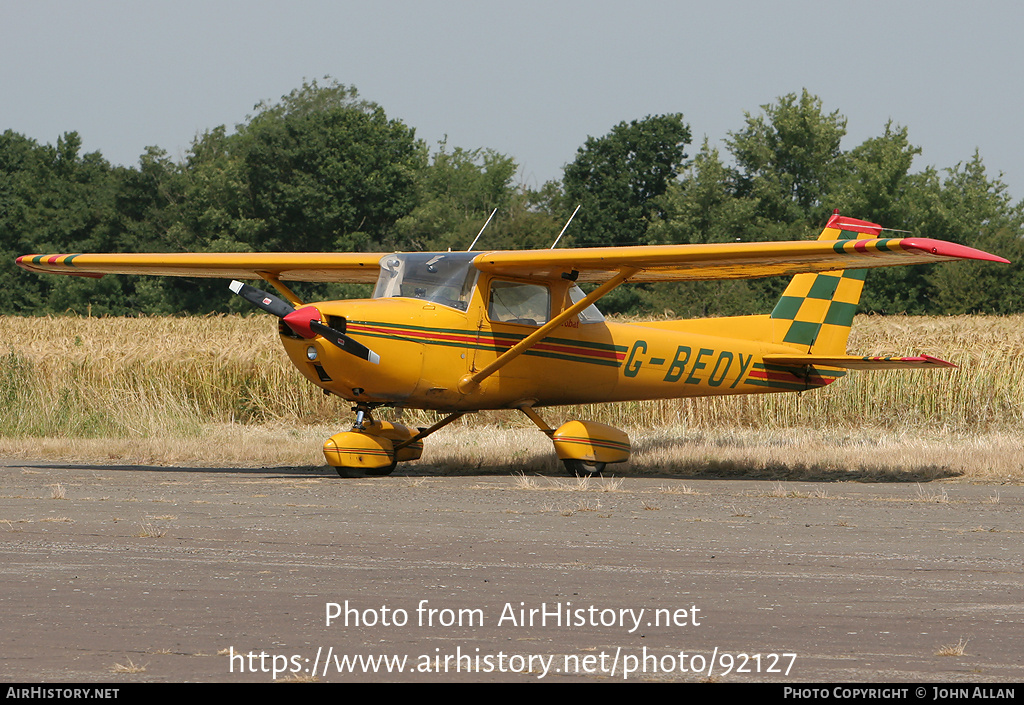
[(445, 278)]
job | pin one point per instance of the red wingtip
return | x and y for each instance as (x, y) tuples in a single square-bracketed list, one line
[(941, 248), (938, 361), (26, 262), (861, 226)]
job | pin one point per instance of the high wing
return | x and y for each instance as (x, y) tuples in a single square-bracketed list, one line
[(734, 260), (288, 266)]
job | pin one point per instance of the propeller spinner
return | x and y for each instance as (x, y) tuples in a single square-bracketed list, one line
[(304, 321)]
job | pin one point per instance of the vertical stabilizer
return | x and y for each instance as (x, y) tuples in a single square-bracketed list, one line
[(816, 310)]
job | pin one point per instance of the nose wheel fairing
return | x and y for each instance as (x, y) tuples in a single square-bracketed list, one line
[(373, 446)]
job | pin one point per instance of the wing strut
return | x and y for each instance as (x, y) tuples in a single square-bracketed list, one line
[(287, 293), (471, 381)]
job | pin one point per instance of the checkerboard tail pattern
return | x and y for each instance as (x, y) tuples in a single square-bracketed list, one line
[(816, 310)]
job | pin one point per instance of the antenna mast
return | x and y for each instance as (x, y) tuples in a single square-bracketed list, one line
[(482, 230), (565, 228)]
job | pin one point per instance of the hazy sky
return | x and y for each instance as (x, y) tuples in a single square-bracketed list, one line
[(529, 79)]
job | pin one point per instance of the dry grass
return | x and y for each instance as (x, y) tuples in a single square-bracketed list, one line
[(124, 377), (129, 667), (568, 510), (298, 678), (149, 531), (784, 455), (932, 496), (843, 454), (957, 649), (58, 491), (576, 484), (984, 394), (220, 390), (120, 377), (677, 489), (610, 484), (779, 490), (523, 482)]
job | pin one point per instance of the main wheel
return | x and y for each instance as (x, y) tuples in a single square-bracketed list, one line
[(363, 472), (581, 468), (380, 472)]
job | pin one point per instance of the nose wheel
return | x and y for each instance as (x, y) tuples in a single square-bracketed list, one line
[(374, 447)]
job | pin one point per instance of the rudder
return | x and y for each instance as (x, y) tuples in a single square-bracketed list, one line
[(816, 311)]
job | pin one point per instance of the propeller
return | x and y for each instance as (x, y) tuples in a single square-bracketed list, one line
[(304, 321)]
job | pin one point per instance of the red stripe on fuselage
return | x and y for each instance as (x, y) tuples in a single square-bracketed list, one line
[(487, 340)]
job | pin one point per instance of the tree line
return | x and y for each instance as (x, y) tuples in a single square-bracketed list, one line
[(324, 170)]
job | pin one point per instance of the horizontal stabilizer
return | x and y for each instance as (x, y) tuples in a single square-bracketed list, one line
[(854, 362)]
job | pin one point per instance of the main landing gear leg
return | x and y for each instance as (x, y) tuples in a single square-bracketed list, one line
[(427, 431), (575, 466)]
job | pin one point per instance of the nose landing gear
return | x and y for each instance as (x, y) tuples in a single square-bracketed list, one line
[(376, 447)]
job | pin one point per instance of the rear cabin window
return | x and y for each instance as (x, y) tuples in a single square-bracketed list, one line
[(588, 315)]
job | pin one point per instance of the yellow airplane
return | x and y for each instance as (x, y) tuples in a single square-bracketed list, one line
[(459, 332)]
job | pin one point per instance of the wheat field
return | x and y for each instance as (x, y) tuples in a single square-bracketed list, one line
[(220, 389)]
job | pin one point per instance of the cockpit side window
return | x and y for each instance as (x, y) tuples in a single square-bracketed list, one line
[(516, 302)]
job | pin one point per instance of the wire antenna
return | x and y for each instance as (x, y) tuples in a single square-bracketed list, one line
[(482, 230), (565, 228)]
